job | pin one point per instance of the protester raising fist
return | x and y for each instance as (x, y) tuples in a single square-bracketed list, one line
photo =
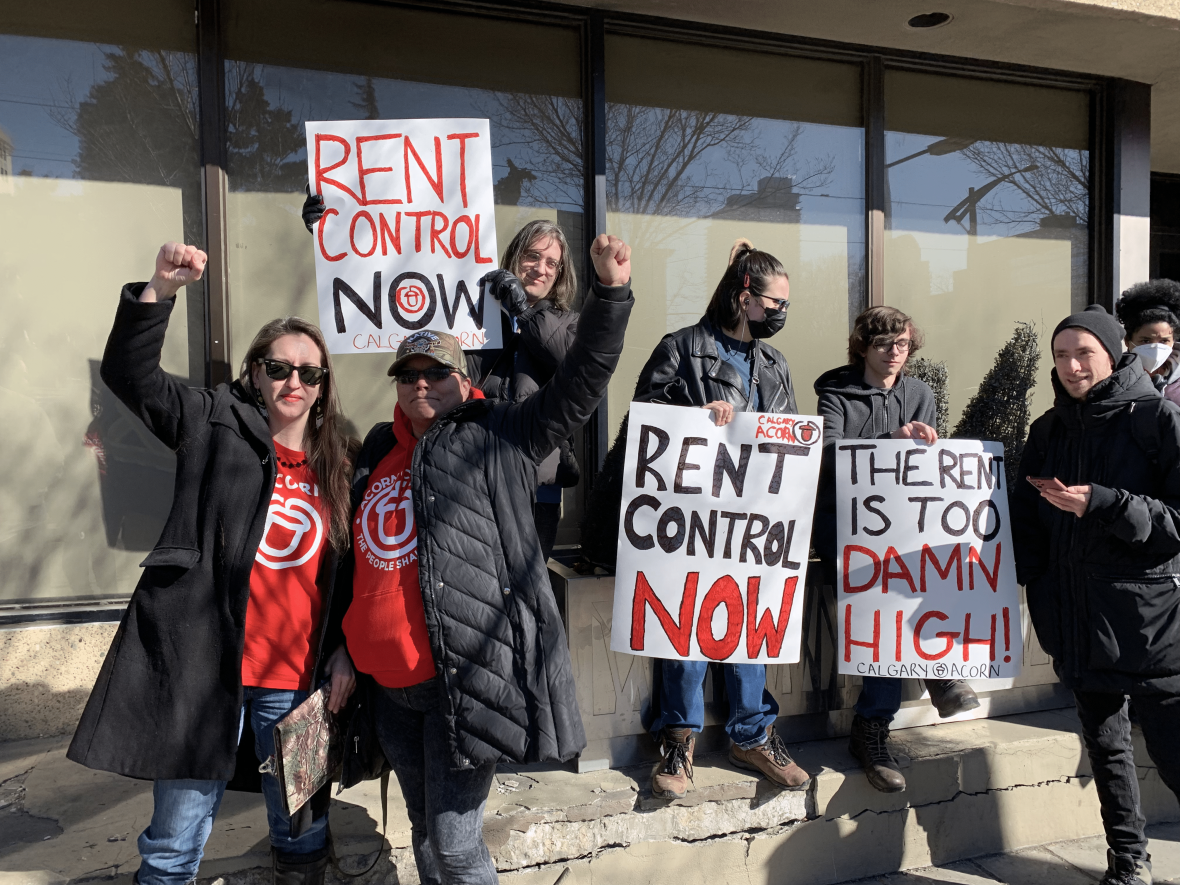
[(612, 260), (177, 265)]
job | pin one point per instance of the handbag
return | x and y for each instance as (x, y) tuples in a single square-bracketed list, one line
[(309, 750)]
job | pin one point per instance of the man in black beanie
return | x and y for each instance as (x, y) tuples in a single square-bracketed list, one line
[(1100, 561)]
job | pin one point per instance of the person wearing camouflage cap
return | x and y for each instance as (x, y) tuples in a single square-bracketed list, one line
[(452, 625)]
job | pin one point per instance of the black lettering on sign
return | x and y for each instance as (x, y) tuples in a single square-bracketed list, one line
[(727, 553), (922, 509), (683, 466), (724, 466), (643, 465), (854, 448), (674, 517), (697, 529), (906, 470), (870, 504), (372, 314), (638, 541), (748, 539)]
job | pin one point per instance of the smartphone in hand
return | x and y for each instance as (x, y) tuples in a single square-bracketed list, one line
[(1046, 482)]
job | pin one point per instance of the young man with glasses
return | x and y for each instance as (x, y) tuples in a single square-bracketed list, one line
[(451, 613), (872, 398)]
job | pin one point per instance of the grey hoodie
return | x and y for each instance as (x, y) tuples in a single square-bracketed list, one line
[(853, 409)]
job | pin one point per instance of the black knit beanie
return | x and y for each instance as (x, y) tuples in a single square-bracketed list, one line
[(1095, 320)]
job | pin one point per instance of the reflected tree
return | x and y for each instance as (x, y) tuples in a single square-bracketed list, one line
[(1058, 186), (266, 142)]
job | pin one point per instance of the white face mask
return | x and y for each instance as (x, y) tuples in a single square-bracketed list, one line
[(1153, 355)]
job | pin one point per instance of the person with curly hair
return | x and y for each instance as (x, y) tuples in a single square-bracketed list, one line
[(1150, 314)]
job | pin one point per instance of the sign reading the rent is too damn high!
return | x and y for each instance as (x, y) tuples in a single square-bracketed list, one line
[(926, 583), (408, 231), (714, 532)]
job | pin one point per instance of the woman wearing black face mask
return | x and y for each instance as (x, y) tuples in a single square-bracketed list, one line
[(721, 364)]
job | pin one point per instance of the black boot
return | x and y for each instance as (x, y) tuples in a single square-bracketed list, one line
[(1122, 870), (951, 696), (869, 745), (305, 872)]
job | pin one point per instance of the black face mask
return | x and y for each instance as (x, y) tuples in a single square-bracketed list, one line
[(770, 325)]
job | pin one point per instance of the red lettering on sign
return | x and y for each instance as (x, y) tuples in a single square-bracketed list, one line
[(763, 629), (393, 237), (969, 640), (955, 558), (891, 555), (320, 236), (436, 183), (723, 592), (679, 634), (321, 177), (462, 219), (860, 588), (362, 171), (479, 259), (352, 234), (949, 637), (462, 137), (992, 577), (874, 644), (436, 232)]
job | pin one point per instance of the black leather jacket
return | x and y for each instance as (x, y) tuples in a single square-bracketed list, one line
[(685, 370)]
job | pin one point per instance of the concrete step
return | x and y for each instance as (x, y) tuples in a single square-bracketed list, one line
[(974, 788)]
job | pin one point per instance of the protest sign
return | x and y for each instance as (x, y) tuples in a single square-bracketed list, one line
[(714, 534), (926, 584), (408, 231)]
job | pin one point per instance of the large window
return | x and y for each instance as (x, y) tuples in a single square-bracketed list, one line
[(987, 207), (280, 73), (98, 167), (705, 145)]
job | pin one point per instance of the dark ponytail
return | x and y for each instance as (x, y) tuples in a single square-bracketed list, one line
[(748, 269)]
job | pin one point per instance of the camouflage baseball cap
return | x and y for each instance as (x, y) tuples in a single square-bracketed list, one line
[(439, 346)]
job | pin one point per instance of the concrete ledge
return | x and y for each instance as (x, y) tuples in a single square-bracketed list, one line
[(975, 788)]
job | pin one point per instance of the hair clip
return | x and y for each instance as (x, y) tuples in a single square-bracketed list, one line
[(746, 285)]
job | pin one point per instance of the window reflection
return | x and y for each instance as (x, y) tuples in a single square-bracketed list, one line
[(98, 165), (987, 204), (696, 159)]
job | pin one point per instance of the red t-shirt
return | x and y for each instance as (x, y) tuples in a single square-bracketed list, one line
[(283, 612), (385, 626)]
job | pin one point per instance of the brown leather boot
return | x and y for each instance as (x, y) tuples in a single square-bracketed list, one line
[(951, 696), (772, 760), (672, 775), (869, 745)]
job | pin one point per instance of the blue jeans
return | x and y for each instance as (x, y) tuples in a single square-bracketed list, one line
[(880, 698), (445, 805), (174, 842), (751, 708)]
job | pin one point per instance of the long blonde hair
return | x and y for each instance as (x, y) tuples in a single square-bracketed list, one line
[(332, 449)]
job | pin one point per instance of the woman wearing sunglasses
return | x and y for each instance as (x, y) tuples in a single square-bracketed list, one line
[(724, 365), (232, 622)]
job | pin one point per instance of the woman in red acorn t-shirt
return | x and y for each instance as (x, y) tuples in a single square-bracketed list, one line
[(233, 622)]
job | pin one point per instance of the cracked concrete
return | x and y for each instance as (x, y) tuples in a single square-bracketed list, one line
[(975, 788)]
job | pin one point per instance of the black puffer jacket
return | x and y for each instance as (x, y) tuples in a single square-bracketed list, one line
[(685, 370), (854, 409), (499, 647), (519, 369), (1104, 589)]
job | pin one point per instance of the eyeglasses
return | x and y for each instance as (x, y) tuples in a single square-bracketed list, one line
[(434, 375), (777, 303), (281, 371), (902, 345), (532, 258)]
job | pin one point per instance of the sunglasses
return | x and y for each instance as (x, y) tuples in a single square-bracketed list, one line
[(434, 375), (281, 371)]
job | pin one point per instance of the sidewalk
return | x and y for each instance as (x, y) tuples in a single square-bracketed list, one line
[(991, 790), (1077, 862)]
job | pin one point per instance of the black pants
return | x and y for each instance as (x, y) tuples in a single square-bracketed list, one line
[(546, 517), (1106, 730)]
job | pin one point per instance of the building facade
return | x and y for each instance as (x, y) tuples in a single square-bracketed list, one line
[(979, 165)]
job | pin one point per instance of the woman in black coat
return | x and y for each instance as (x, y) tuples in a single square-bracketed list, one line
[(232, 621)]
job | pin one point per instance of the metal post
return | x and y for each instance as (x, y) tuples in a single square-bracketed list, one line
[(875, 184)]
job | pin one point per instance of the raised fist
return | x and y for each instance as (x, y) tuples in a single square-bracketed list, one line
[(177, 265), (612, 260), (506, 289)]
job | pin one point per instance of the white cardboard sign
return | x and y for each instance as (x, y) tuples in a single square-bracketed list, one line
[(409, 230), (714, 534), (926, 584)]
